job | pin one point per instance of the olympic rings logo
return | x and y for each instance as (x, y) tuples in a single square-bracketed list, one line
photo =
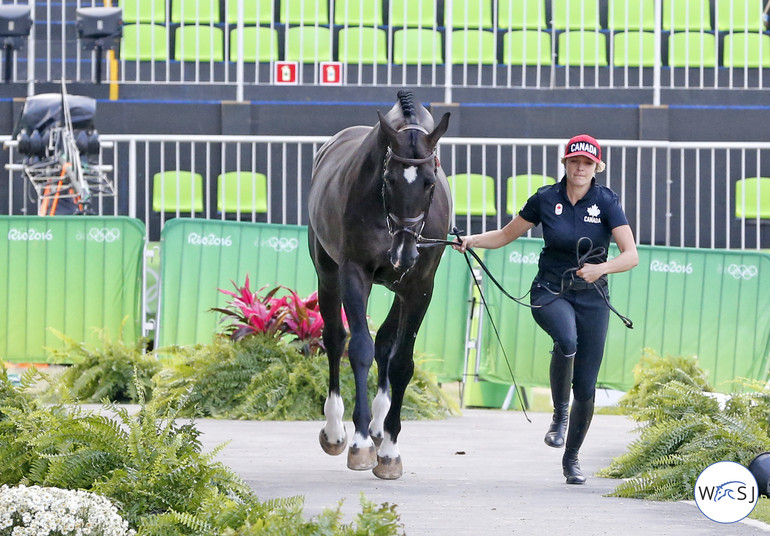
[(517, 258), (103, 234), (282, 245), (741, 271)]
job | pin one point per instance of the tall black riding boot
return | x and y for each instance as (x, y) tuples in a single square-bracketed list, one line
[(561, 384), (579, 422)]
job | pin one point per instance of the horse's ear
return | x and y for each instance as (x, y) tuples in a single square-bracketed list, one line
[(389, 131), (439, 131)]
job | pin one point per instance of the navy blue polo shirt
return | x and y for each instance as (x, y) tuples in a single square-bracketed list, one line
[(594, 217)]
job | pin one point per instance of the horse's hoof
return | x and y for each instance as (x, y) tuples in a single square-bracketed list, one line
[(333, 449), (388, 468), (362, 459)]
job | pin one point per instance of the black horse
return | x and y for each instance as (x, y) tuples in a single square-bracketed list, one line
[(374, 192)]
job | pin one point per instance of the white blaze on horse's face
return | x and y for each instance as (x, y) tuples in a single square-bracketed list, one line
[(410, 174)]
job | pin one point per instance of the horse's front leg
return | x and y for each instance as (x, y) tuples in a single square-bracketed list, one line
[(383, 349), (400, 371), (357, 285)]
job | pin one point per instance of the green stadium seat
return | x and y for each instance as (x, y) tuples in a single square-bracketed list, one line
[(242, 191), (413, 13), (471, 14), (144, 42), (631, 15), (362, 45), (199, 43), (752, 198), (308, 44), (476, 47), (310, 12), (413, 46), (739, 15), (587, 48), (180, 191), (634, 49), (473, 194), (575, 14), (527, 47), (689, 49), (254, 11), (746, 50), (143, 11), (195, 11), (521, 187), (358, 12), (680, 15), (260, 44), (521, 15)]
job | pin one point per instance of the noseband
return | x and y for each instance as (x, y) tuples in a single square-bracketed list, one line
[(397, 224)]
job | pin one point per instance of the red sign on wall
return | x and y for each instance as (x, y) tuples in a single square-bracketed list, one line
[(286, 72), (331, 73)]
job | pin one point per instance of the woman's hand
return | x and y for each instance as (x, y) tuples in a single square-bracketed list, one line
[(591, 272), (467, 242)]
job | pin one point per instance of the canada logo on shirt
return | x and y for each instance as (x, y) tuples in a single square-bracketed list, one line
[(558, 209), (593, 214)]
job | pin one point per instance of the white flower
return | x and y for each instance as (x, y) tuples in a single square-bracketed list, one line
[(38, 511)]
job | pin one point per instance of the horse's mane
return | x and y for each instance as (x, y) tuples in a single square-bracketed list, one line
[(406, 99)]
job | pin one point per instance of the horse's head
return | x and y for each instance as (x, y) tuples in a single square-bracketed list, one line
[(409, 180)]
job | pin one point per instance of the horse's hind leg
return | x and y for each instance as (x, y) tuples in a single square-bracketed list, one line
[(333, 437)]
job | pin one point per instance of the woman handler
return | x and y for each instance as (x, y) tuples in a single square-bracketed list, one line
[(568, 293)]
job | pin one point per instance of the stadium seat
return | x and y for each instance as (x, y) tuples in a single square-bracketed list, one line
[(634, 49), (631, 15), (746, 50), (254, 11), (752, 198), (362, 45), (471, 14), (195, 11), (180, 191), (575, 14), (310, 12), (308, 44), (527, 47), (358, 12), (521, 187), (473, 194), (260, 44), (417, 46), (413, 13), (199, 43), (739, 15), (242, 191), (521, 15), (476, 47), (680, 15), (144, 42), (143, 11), (686, 49), (587, 48)]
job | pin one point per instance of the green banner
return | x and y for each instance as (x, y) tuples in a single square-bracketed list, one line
[(198, 257), (683, 301), (76, 274)]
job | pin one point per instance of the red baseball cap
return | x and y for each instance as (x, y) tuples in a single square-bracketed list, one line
[(585, 145)]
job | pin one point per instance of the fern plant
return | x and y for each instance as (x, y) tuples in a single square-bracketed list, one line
[(685, 429), (116, 371)]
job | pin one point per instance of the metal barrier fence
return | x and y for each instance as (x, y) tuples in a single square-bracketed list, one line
[(439, 43), (694, 194)]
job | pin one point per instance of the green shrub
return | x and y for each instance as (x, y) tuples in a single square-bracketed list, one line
[(685, 429)]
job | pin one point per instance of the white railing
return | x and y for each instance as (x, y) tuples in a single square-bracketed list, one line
[(674, 193), (477, 44)]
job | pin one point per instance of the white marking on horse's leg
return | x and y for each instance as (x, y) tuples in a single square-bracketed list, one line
[(333, 436), (389, 448), (410, 174), (359, 441), (380, 407), (389, 466)]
